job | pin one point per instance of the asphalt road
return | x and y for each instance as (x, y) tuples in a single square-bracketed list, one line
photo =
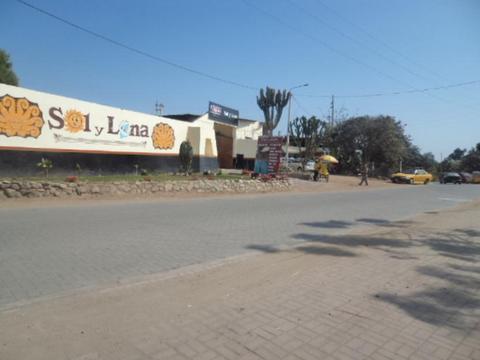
[(49, 250)]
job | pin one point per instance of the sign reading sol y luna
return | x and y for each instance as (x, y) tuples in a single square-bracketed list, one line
[(32, 120)]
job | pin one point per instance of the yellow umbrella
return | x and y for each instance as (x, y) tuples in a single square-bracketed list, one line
[(329, 158)]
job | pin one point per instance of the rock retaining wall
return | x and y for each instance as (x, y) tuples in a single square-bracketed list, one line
[(31, 189)]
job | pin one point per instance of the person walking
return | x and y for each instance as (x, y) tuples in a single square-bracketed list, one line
[(364, 175), (316, 170), (324, 170)]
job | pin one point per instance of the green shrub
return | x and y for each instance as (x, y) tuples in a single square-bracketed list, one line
[(45, 164), (186, 157)]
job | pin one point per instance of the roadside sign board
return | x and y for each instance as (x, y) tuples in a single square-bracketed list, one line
[(270, 151)]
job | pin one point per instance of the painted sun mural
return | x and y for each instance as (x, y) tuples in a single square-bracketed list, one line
[(20, 117), (74, 121), (163, 136)]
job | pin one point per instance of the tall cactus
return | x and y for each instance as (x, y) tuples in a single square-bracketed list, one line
[(272, 102)]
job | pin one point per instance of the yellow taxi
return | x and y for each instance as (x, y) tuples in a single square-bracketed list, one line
[(412, 176)]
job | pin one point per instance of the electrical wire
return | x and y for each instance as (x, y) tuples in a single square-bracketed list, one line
[(323, 43), (381, 42), (356, 41), (301, 107), (230, 82), (466, 83), (345, 55), (137, 51)]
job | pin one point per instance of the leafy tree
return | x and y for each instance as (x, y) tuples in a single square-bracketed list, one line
[(414, 158), (460, 160), (429, 162), (457, 154), (7, 75), (471, 161), (186, 157), (308, 133), (379, 141), (272, 102)]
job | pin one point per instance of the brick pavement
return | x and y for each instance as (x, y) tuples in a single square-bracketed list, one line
[(410, 291), (47, 250)]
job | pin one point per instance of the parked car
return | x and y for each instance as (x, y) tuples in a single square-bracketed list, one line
[(450, 178), (412, 176), (310, 165), (296, 165), (466, 177), (476, 177)]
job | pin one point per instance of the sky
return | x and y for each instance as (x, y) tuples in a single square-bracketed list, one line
[(338, 47)]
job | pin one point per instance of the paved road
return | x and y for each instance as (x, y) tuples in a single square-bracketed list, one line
[(44, 251)]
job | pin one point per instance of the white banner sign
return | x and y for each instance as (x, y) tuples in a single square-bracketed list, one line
[(32, 120)]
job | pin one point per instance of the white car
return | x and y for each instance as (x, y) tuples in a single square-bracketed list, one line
[(310, 165), (296, 165)]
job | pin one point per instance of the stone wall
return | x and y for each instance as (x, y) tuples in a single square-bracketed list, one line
[(34, 189)]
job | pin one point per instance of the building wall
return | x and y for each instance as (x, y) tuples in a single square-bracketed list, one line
[(249, 129), (247, 147), (98, 136), (247, 134)]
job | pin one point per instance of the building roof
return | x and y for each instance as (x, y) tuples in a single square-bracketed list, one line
[(193, 117), (249, 120), (183, 117)]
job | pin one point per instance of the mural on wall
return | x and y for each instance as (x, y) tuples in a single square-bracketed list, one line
[(163, 136), (74, 121), (35, 121), (20, 117)]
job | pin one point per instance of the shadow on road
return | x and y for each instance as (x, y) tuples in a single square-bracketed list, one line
[(331, 224), (307, 249), (453, 292), (353, 240), (385, 223), (446, 306), (325, 250), (338, 224)]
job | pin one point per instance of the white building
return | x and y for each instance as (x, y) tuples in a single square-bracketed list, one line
[(236, 144), (99, 138)]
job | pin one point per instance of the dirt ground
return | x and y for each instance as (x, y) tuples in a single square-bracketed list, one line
[(339, 183), (402, 290)]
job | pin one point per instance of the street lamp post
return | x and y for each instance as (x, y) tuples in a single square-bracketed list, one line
[(288, 122)]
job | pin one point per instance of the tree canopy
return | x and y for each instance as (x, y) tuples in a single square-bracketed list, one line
[(462, 160), (377, 140), (7, 75), (307, 133)]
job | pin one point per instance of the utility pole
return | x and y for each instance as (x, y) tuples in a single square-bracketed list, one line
[(287, 152), (332, 108), (288, 121), (159, 108)]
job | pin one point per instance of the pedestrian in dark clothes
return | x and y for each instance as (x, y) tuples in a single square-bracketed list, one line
[(364, 175)]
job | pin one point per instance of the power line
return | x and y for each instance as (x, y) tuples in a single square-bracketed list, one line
[(380, 41), (137, 51), (230, 82), (391, 93), (345, 55), (323, 43), (301, 107), (352, 39), (389, 47)]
